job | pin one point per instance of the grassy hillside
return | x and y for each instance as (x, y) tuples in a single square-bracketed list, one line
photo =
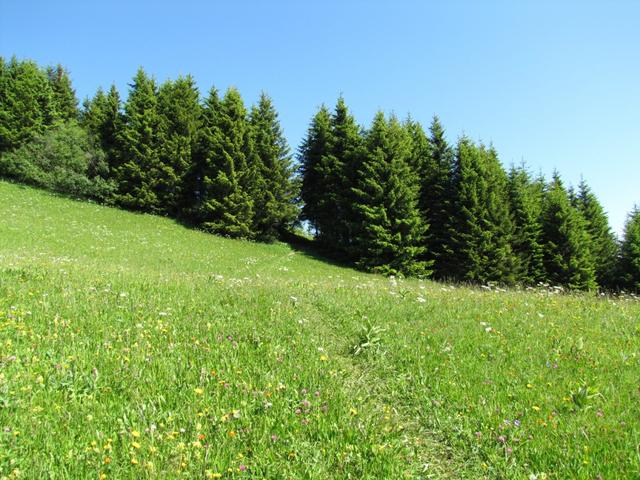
[(131, 347)]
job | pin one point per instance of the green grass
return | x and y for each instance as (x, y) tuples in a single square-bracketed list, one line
[(131, 347)]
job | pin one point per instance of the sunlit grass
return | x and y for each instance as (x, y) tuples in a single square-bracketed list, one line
[(131, 347)]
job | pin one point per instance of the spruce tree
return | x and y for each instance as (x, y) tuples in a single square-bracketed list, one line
[(26, 103), (138, 173), (436, 198), (525, 199), (313, 149), (567, 258), (223, 204), (603, 243), (275, 207), (180, 115), (338, 170), (93, 113), (482, 232), (64, 96), (102, 118), (630, 253), (391, 234)]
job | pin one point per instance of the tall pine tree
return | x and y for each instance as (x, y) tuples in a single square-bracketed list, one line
[(525, 198), (567, 258), (630, 253), (603, 245), (482, 232), (224, 204), (180, 116), (27, 107), (64, 96), (390, 236), (138, 173), (102, 118), (313, 149), (436, 198), (338, 169), (274, 201)]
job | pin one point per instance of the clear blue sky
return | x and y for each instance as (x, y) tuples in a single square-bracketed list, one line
[(553, 83)]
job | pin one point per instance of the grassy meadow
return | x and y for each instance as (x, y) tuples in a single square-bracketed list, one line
[(132, 347)]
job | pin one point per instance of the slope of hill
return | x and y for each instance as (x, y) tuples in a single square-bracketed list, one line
[(131, 347)]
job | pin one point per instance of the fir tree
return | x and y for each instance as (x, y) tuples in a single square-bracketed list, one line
[(525, 199), (391, 233), (482, 232), (436, 198), (224, 205), (603, 243), (138, 173), (275, 207), (630, 253), (26, 103), (180, 115), (314, 148), (64, 96), (567, 258), (102, 118), (338, 170), (94, 112)]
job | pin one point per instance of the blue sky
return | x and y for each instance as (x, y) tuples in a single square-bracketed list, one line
[(553, 83)]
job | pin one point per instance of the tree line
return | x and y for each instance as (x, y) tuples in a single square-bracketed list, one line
[(391, 198)]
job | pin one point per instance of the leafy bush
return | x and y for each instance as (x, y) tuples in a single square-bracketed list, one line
[(63, 159)]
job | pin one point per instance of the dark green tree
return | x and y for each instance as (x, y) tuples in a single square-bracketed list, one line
[(482, 231), (224, 205), (391, 233), (274, 200), (180, 116), (93, 113), (313, 149), (603, 245), (338, 170), (26, 103), (138, 173), (64, 96), (435, 173), (525, 199), (630, 253), (101, 116), (567, 258)]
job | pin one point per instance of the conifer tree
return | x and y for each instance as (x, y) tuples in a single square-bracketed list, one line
[(391, 236), (224, 205), (180, 115), (313, 149), (567, 258), (525, 199), (630, 253), (64, 96), (275, 207), (482, 232), (102, 118), (436, 198), (137, 174), (603, 243), (26, 103), (420, 148), (338, 169), (93, 112)]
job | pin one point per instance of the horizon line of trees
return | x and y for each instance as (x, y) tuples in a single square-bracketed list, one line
[(391, 198)]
